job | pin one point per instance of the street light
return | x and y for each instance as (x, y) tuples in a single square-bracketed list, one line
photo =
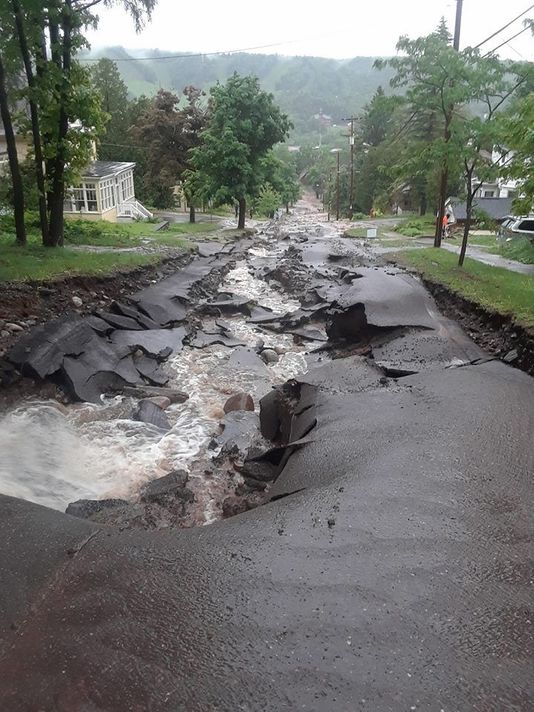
[(338, 151)]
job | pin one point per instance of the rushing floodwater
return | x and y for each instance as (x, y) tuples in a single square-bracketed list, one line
[(54, 455)]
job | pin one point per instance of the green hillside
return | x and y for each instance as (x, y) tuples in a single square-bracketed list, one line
[(303, 86)]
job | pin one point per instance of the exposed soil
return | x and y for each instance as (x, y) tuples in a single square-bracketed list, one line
[(495, 333), (30, 303)]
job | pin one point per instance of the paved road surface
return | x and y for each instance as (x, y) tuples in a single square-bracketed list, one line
[(393, 573)]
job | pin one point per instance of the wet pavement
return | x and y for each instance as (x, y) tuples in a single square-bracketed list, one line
[(390, 570), (481, 255)]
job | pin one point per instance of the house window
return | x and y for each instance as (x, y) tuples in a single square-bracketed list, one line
[(127, 186), (489, 194), (82, 199), (91, 200), (107, 195)]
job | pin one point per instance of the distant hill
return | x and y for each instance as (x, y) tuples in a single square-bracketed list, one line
[(303, 86)]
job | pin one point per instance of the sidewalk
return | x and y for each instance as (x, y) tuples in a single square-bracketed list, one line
[(479, 254)]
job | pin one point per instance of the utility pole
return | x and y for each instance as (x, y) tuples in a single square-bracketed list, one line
[(337, 187), (338, 151), (458, 26), (445, 170), (352, 119)]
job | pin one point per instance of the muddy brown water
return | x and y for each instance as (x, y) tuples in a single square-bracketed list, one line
[(86, 451)]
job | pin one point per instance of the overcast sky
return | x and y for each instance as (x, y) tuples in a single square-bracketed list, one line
[(336, 28)]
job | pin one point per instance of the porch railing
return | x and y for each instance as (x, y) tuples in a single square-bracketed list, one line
[(134, 209)]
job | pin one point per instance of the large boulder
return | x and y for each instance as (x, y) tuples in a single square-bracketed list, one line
[(239, 401), (148, 412), (86, 508), (169, 487)]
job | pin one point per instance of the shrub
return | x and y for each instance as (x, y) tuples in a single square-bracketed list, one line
[(483, 220)]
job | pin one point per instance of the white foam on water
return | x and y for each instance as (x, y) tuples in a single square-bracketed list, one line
[(91, 451)]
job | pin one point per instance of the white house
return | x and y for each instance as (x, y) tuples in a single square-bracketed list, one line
[(501, 187), (106, 192)]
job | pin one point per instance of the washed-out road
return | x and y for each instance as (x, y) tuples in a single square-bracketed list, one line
[(389, 569)]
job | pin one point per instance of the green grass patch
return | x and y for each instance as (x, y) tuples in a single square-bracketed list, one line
[(389, 242), (104, 234), (520, 250), (417, 227), (496, 289), (36, 263), (489, 241)]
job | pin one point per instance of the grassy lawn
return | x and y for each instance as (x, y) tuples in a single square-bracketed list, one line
[(520, 250), (496, 289), (417, 226), (489, 241), (359, 232), (104, 234), (36, 263)]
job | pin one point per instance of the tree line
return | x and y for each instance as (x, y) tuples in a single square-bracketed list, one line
[(460, 119), (218, 148), (47, 94)]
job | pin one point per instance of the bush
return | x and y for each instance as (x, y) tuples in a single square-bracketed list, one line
[(359, 216), (483, 220), (268, 201), (416, 227), (520, 249), (84, 232)]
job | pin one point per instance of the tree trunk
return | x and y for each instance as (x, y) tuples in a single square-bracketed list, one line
[(192, 214), (468, 218), (441, 207), (444, 181), (34, 115), (16, 178), (423, 204), (242, 214), (287, 208), (57, 195)]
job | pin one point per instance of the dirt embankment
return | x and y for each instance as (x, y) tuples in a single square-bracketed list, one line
[(22, 305), (496, 333)]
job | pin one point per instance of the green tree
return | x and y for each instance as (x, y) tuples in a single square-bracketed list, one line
[(281, 174), (113, 95), (168, 133), (243, 126), (518, 138), (9, 131), (377, 117), (479, 135), (64, 114), (268, 201), (437, 82)]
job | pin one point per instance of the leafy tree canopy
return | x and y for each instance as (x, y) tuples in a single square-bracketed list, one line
[(243, 125)]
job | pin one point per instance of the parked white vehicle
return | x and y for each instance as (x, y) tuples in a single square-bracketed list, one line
[(513, 227)]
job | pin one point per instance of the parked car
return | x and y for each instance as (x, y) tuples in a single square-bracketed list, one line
[(513, 227)]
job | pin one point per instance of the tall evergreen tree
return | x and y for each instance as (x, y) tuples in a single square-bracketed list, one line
[(113, 95)]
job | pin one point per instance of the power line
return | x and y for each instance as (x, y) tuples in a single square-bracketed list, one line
[(191, 55), (505, 27), (525, 29)]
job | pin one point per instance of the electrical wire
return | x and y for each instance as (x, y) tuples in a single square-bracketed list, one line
[(525, 29), (505, 27), (191, 55)]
